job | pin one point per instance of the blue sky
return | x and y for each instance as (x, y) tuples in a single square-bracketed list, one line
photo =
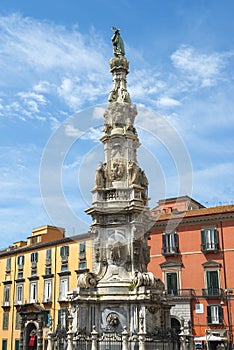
[(55, 81)]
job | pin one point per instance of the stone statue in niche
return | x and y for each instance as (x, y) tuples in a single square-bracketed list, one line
[(100, 177)]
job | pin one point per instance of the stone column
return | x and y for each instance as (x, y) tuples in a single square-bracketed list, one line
[(40, 332), (182, 336), (70, 334), (125, 339), (94, 337), (22, 323), (50, 345), (141, 333)]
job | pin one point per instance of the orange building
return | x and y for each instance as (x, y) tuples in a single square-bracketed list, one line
[(192, 251)]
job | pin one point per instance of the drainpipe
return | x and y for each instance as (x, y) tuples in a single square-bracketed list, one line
[(227, 291)]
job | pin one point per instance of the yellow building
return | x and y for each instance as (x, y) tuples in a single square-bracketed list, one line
[(35, 276)]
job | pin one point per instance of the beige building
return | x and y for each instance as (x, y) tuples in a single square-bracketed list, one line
[(35, 276)]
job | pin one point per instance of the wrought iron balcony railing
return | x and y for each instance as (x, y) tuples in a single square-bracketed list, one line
[(210, 247), (181, 293), (170, 250), (212, 292)]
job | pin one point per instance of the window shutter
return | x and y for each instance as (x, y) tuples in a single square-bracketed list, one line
[(209, 314), (203, 238), (216, 240), (64, 251), (47, 319), (66, 318), (48, 254), (20, 260), (220, 314), (176, 240), (61, 251), (8, 264), (67, 250), (164, 243), (59, 316)]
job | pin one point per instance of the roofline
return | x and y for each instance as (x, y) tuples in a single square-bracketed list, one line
[(17, 250)]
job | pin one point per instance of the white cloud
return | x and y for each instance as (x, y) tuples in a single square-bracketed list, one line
[(166, 101), (199, 67), (71, 131)]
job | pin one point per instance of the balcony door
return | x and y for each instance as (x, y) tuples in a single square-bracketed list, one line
[(212, 280), (172, 285)]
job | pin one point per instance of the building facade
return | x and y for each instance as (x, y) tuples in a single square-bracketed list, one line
[(192, 251), (35, 276)]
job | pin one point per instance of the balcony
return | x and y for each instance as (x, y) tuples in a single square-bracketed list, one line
[(181, 293), (210, 247), (214, 320), (167, 251), (212, 292)]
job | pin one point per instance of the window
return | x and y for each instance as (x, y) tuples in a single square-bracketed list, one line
[(212, 283), (82, 265), (47, 319), (4, 344), (34, 257), (20, 261), (214, 314), (63, 318), (33, 292), (17, 343), (8, 265), (64, 267), (17, 320), (64, 252), (20, 275), (6, 297), (209, 239), (199, 308), (19, 293), (63, 288), (48, 256), (82, 250), (48, 271), (47, 290), (172, 285), (170, 243), (5, 320)]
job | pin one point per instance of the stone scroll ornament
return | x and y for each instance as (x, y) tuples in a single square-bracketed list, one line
[(87, 280)]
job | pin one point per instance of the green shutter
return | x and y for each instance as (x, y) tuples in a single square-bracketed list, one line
[(216, 238), (176, 240), (172, 283), (203, 238), (59, 315), (17, 344), (47, 319), (48, 254), (4, 344), (164, 243), (220, 314), (208, 314)]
